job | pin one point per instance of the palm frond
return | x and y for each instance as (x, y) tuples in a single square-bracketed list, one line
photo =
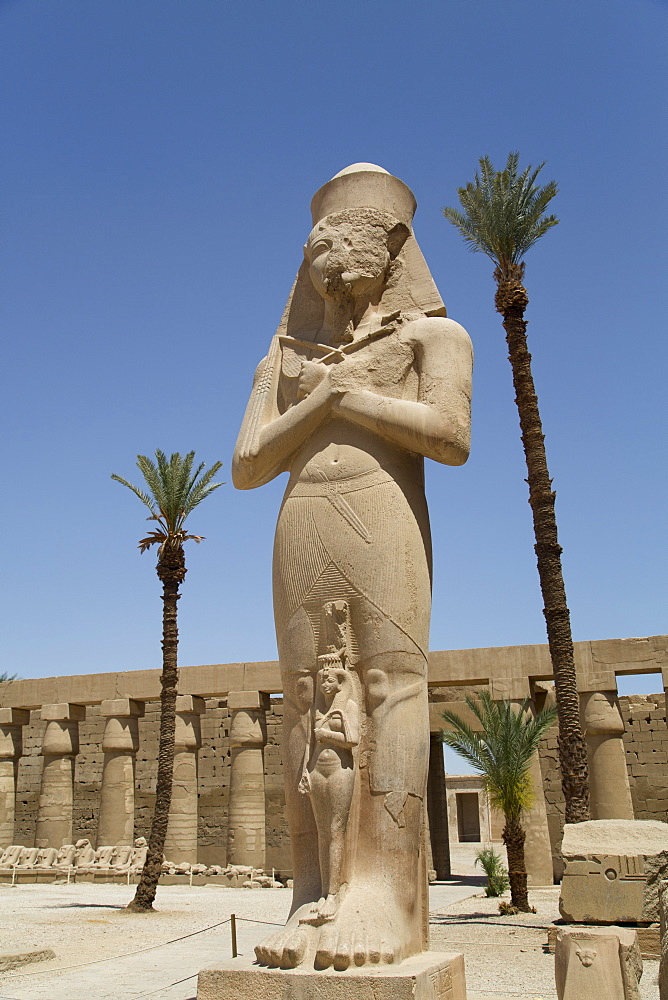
[(503, 748), (174, 490), (503, 211), (153, 538), (144, 497)]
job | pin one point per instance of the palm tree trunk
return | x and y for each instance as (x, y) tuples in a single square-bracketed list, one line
[(511, 302), (150, 875), (514, 837)]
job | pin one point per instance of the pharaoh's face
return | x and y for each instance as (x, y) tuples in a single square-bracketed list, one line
[(347, 259)]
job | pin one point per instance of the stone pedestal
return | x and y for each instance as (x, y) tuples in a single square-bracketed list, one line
[(11, 748), (246, 812), (429, 976), (437, 809), (59, 748), (602, 724), (181, 839), (120, 743), (597, 962)]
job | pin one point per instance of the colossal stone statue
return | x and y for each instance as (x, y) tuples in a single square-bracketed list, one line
[(364, 378)]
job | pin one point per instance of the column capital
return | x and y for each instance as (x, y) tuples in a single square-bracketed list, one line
[(599, 711), (190, 703), (248, 701), (63, 712), (14, 716), (122, 708)]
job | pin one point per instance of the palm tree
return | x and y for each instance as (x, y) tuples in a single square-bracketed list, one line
[(174, 491), (503, 217), (502, 752)]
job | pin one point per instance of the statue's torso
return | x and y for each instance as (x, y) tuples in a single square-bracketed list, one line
[(386, 366)]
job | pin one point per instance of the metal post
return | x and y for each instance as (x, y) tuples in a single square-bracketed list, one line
[(233, 929)]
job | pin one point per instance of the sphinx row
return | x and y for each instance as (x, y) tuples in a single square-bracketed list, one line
[(82, 859), (81, 856), (116, 816)]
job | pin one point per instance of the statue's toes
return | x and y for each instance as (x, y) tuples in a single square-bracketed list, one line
[(324, 956), (360, 949), (294, 950), (269, 951), (373, 953), (343, 955), (387, 953)]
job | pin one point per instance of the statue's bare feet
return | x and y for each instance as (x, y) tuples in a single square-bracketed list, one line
[(287, 947), (365, 930)]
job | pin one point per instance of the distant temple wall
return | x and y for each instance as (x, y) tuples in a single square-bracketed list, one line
[(222, 703)]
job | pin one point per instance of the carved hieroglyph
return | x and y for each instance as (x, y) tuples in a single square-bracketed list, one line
[(364, 378)]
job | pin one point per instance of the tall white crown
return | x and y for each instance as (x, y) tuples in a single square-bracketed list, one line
[(364, 185)]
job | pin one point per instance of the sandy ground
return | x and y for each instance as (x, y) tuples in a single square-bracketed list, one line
[(104, 953)]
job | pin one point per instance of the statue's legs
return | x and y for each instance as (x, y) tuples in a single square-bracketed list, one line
[(332, 781), (383, 577), (298, 653), (379, 918)]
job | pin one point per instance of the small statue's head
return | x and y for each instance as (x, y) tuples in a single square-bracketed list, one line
[(140, 842), (350, 253), (84, 842), (331, 679)]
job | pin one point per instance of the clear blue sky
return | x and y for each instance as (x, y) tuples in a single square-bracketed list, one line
[(159, 159)]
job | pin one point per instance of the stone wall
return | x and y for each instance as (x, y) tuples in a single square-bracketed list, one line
[(213, 780), (511, 672), (646, 745)]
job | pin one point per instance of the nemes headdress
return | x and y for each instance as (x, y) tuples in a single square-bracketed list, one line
[(365, 185)]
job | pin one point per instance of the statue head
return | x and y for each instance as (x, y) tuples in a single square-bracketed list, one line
[(141, 842), (350, 253), (331, 680), (361, 244)]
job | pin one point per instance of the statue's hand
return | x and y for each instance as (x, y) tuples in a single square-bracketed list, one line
[(311, 375)]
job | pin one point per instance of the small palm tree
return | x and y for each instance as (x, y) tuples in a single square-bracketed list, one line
[(502, 752), (174, 491), (504, 217), (4, 677)]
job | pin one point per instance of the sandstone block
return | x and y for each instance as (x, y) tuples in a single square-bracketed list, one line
[(429, 976), (63, 712), (597, 962), (613, 869)]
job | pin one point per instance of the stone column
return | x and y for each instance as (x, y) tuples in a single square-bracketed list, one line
[(11, 747), (246, 811), (181, 839), (120, 743), (59, 748), (437, 809), (609, 790), (537, 847)]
